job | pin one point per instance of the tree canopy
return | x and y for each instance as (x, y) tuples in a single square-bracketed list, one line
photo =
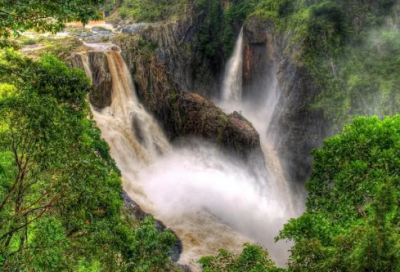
[(351, 222), (253, 258), (60, 191), (51, 16)]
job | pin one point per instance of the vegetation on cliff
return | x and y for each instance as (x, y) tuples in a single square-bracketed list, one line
[(60, 191), (252, 259), (351, 222), (350, 50), (61, 204), (148, 10)]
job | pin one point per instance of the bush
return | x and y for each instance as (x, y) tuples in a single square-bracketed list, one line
[(352, 207), (252, 259)]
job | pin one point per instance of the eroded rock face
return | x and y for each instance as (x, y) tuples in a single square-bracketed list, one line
[(297, 127), (180, 112), (102, 80), (192, 115), (101, 95), (175, 48)]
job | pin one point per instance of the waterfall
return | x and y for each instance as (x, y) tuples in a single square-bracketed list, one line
[(261, 117), (232, 85), (131, 132), (209, 200), (153, 174)]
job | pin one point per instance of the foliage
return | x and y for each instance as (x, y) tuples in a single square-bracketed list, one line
[(217, 33), (150, 10), (209, 32), (152, 249), (42, 16), (60, 191), (348, 49), (252, 259), (351, 222), (234, 17), (62, 48)]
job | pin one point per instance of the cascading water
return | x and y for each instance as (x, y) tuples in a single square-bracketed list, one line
[(126, 121), (209, 200), (261, 118), (232, 85), (147, 174)]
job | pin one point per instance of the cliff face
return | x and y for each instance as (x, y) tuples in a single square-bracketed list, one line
[(153, 56), (100, 97), (173, 44), (161, 62), (297, 127)]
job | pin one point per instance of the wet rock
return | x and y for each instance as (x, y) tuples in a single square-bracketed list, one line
[(133, 208), (185, 268), (101, 96), (172, 43), (192, 115), (299, 128), (101, 31), (158, 77)]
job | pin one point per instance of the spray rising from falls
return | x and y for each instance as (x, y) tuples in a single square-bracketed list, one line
[(210, 201), (261, 118)]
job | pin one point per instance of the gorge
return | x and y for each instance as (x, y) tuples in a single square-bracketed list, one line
[(199, 135), (186, 185)]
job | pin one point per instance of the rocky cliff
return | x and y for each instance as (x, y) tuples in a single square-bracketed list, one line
[(297, 127), (151, 55), (174, 46), (100, 97), (161, 71)]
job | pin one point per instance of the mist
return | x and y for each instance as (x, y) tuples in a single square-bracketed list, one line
[(201, 193), (210, 200)]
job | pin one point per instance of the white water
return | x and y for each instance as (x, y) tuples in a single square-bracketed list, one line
[(232, 85), (209, 200), (261, 118)]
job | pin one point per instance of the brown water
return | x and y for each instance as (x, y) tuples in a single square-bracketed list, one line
[(166, 182)]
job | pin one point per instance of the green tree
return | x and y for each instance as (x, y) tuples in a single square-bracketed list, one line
[(253, 258), (39, 15), (60, 191), (351, 222)]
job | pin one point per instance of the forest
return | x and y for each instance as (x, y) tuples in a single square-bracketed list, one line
[(98, 170)]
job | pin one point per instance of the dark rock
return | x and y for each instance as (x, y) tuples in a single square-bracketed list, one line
[(299, 128), (102, 80), (132, 29), (238, 115), (179, 112), (177, 249), (174, 42), (101, 95), (185, 268), (133, 208)]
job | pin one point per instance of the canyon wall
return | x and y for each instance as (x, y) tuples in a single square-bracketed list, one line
[(296, 126)]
